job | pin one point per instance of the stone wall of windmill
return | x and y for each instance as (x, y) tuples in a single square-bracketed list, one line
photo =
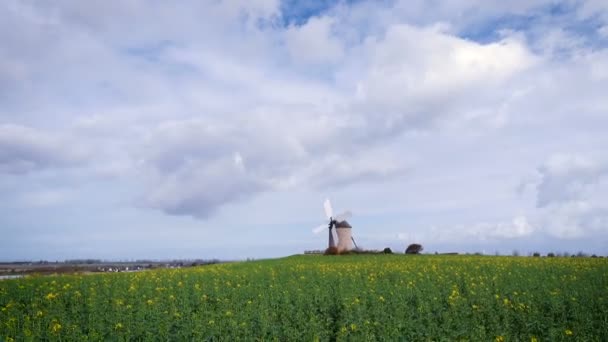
[(344, 232)]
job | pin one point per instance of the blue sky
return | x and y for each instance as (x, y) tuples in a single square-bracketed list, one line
[(216, 129)]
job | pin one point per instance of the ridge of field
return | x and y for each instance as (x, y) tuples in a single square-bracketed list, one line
[(310, 298)]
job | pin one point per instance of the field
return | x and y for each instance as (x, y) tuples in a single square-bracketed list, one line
[(310, 298)]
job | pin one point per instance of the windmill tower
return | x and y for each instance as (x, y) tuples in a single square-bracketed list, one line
[(345, 236), (343, 229)]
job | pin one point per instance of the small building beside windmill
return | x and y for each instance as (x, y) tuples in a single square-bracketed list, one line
[(344, 232)]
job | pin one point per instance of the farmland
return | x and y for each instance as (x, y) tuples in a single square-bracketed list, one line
[(308, 298)]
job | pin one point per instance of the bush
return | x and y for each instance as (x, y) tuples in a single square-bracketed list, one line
[(332, 251), (413, 249), (536, 254), (387, 251), (551, 255)]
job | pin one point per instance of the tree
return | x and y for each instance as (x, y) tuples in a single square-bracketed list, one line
[(413, 249), (387, 251)]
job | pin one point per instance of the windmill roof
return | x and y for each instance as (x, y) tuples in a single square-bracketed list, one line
[(343, 224)]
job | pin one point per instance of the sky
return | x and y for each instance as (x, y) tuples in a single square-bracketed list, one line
[(216, 129)]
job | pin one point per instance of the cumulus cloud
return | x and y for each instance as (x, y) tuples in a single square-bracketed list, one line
[(518, 227), (214, 163), (25, 149), (571, 196), (419, 77), (374, 166), (217, 102), (313, 42), (567, 178), (514, 228), (45, 198), (198, 187)]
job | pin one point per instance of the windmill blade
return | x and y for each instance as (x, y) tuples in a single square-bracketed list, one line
[(344, 216), (352, 238), (319, 229), (329, 212)]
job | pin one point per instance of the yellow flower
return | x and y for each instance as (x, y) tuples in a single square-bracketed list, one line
[(118, 326), (533, 339), (499, 338), (568, 332), (51, 296), (56, 327)]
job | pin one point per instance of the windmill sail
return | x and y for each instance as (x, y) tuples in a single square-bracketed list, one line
[(328, 209), (332, 243), (319, 229)]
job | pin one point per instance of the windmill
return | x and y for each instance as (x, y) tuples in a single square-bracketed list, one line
[(342, 228)]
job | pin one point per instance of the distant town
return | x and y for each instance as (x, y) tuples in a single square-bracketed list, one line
[(15, 268)]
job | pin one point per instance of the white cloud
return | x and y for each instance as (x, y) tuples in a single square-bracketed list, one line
[(45, 198), (439, 107), (24, 149), (193, 155), (335, 170), (515, 228), (417, 77), (198, 187), (314, 42), (567, 178), (571, 196), (593, 8)]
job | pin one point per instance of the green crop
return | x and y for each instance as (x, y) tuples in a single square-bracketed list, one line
[(320, 298)]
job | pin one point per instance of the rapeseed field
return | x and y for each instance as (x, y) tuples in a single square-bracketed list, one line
[(320, 298)]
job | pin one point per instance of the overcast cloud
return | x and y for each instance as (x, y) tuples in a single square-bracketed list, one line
[(217, 128)]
